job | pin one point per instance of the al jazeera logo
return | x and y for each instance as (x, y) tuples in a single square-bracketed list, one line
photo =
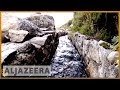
[(26, 71), (3, 73)]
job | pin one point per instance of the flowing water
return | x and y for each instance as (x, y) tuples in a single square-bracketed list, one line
[(66, 61)]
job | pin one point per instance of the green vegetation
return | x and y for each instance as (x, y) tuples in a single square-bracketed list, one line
[(101, 26), (115, 41), (83, 23), (105, 45)]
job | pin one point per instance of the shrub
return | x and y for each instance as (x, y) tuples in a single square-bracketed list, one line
[(102, 35)]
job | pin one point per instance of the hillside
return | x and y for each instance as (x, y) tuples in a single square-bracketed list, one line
[(100, 26)]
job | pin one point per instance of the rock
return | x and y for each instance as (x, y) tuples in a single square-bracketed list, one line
[(93, 69), (34, 24), (42, 21), (8, 48), (114, 71), (36, 51), (62, 33), (26, 54), (44, 29), (17, 35), (38, 41), (46, 52), (113, 57), (48, 32), (98, 59), (5, 38), (10, 22), (101, 41), (29, 26), (22, 55)]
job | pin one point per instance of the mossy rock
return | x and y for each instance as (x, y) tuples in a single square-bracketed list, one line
[(116, 47), (105, 45)]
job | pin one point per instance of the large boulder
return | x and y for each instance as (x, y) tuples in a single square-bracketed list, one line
[(42, 21), (34, 24), (39, 41), (113, 57), (11, 22), (62, 33), (8, 48), (100, 61), (17, 35), (29, 26), (46, 52), (20, 55), (36, 51), (36, 36)]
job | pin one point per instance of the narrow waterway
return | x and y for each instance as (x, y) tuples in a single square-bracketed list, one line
[(66, 61)]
